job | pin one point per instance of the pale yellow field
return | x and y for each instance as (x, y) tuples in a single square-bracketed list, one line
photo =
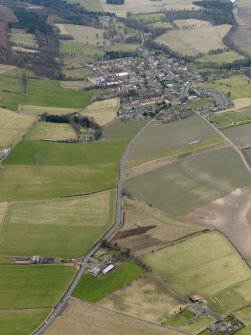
[(192, 23), (61, 29), (6, 68), (84, 34), (103, 111), (20, 49), (191, 42), (13, 126), (146, 6), (3, 207), (80, 318), (37, 110), (51, 132), (146, 298), (75, 84)]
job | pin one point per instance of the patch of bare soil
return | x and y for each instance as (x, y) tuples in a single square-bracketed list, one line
[(146, 228), (231, 215), (146, 298), (81, 318)]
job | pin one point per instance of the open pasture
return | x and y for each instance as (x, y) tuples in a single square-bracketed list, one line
[(75, 84), (58, 228), (145, 228), (65, 154), (48, 131), (241, 136), (103, 111), (6, 68), (77, 51), (120, 130), (13, 126), (163, 139), (98, 321), (237, 86), (41, 92), (83, 34), (91, 5), (196, 265), (233, 119), (190, 42), (241, 37), (190, 182), (37, 286), (37, 110), (145, 298), (3, 207), (21, 322), (244, 14), (93, 289), (192, 23), (22, 39), (225, 57)]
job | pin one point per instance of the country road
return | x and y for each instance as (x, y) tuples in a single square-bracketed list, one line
[(117, 223)]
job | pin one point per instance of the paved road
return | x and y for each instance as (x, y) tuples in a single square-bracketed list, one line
[(227, 140), (63, 302)]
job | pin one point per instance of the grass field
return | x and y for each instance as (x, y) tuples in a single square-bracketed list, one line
[(194, 327), (200, 103), (191, 41), (65, 154), (41, 92), (49, 170), (150, 18), (93, 289), (91, 5), (77, 51), (146, 228), (51, 132), (100, 321), (160, 140), (146, 298), (215, 267), (13, 126), (3, 207), (225, 57), (6, 68), (231, 119), (63, 228), (191, 23), (244, 315), (239, 135), (119, 130), (21, 322), (237, 86), (20, 38), (37, 286), (103, 111), (190, 182)]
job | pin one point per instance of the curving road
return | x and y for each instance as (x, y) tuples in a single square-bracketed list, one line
[(62, 304)]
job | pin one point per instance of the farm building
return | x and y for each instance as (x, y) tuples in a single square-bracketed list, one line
[(107, 269), (195, 298), (4, 153), (122, 75)]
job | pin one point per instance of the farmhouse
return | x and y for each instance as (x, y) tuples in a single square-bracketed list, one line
[(107, 269)]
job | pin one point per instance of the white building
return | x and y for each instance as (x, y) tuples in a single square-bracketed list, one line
[(107, 269)]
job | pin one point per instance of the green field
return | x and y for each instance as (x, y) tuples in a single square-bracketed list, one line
[(20, 38), (91, 5), (77, 51), (229, 119), (45, 170), (190, 42), (37, 286), (58, 228), (51, 132), (237, 86), (66, 154), (190, 182), (21, 322), (205, 264), (120, 130), (41, 92), (225, 57), (92, 288), (163, 139), (194, 327), (200, 103)]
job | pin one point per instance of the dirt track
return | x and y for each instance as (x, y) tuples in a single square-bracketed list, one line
[(231, 215)]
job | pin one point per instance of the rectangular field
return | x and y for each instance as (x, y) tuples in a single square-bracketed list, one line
[(190, 42), (59, 228), (37, 110), (225, 57), (237, 86), (21, 322), (37, 286), (13, 126), (93, 289), (20, 38), (241, 38), (101, 321), (241, 136), (160, 139), (47, 131), (196, 265), (91, 5), (190, 182)]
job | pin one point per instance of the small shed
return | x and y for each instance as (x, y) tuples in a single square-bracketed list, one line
[(195, 298), (107, 269)]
